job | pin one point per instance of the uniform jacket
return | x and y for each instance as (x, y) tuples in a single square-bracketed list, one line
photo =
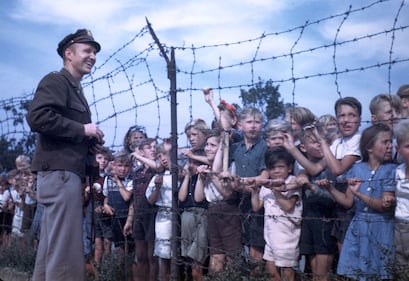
[(57, 114)]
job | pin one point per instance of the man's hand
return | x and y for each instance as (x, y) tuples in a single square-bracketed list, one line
[(91, 130)]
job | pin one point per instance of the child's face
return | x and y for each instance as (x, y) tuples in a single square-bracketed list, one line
[(251, 126), (312, 147), (196, 137), (21, 165), (12, 180), (280, 170), (164, 158), (212, 144), (295, 127), (137, 135), (382, 147), (348, 120), (227, 120), (403, 150), (386, 114), (102, 161), (149, 151), (121, 169), (331, 125), (275, 139)]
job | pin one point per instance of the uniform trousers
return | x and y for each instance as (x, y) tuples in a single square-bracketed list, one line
[(60, 254)]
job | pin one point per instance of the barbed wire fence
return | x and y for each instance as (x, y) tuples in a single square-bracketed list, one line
[(131, 85)]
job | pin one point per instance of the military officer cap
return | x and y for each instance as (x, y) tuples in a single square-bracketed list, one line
[(80, 36)]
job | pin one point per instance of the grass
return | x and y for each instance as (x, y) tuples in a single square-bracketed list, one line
[(20, 258)]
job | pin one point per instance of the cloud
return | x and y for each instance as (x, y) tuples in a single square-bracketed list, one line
[(63, 11), (35, 26)]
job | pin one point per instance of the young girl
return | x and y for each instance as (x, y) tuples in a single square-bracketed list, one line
[(368, 252), (282, 215), (159, 193), (224, 226), (141, 216), (133, 134), (194, 242)]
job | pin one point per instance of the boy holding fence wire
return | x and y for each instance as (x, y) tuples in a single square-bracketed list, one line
[(282, 217), (316, 241)]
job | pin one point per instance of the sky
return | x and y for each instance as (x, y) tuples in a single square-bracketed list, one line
[(31, 29)]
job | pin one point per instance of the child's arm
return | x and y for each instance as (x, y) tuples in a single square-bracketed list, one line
[(200, 158), (199, 188), (287, 204), (184, 187), (302, 180), (153, 164), (8, 202), (223, 182), (217, 165), (383, 204), (125, 194), (208, 96), (86, 193), (345, 199), (312, 168), (337, 166), (31, 191), (107, 209), (251, 183), (256, 202), (129, 221), (158, 182)]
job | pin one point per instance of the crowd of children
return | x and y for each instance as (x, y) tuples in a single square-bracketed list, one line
[(304, 193)]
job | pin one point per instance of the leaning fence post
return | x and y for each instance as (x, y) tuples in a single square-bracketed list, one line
[(171, 67)]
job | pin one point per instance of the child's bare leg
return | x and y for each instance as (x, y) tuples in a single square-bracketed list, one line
[(216, 262), (272, 271), (98, 252), (321, 266), (197, 271), (287, 274)]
